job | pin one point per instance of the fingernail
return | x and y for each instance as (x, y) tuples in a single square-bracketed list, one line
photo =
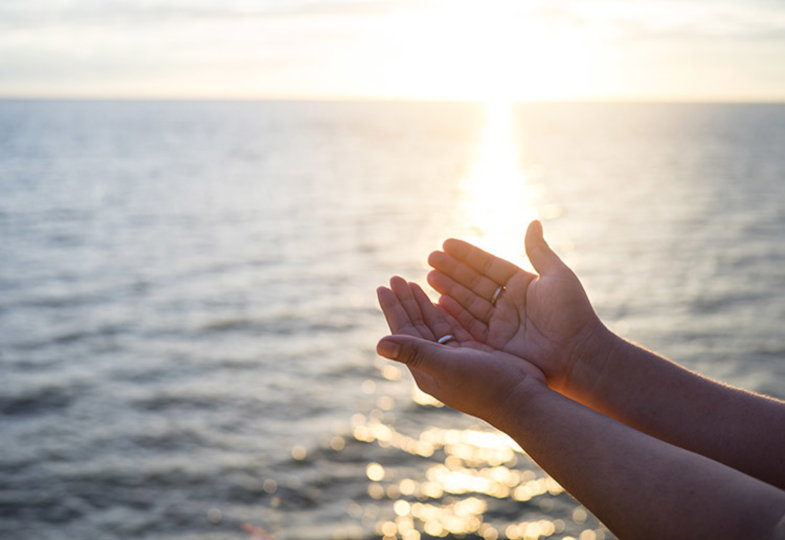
[(388, 349)]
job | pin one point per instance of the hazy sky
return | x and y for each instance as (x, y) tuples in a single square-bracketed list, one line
[(557, 49)]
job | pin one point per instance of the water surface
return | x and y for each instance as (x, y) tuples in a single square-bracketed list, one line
[(188, 318)]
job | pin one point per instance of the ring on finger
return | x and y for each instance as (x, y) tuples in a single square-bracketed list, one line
[(445, 339), (496, 294)]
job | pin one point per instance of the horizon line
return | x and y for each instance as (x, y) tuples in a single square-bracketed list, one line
[(388, 99)]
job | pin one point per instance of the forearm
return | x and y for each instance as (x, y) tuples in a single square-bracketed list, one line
[(639, 486), (656, 396)]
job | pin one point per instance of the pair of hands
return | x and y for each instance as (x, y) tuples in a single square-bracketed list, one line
[(536, 332), (686, 437)]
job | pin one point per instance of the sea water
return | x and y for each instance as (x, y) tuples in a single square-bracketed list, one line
[(188, 316)]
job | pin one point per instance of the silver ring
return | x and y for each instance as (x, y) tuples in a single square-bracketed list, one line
[(445, 339), (496, 294)]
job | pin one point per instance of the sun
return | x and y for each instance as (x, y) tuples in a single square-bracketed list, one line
[(498, 52)]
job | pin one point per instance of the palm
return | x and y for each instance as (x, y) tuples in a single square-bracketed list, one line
[(474, 376), (409, 312), (535, 318), (539, 318)]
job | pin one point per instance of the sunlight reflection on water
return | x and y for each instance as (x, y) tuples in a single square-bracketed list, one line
[(472, 466), (497, 198)]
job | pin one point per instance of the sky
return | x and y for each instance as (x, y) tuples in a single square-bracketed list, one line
[(512, 50)]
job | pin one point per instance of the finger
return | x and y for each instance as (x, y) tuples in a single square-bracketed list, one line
[(461, 273), (394, 313), (489, 265), (440, 323), (478, 306), (477, 328), (401, 289), (539, 252), (461, 333), (417, 353), (437, 323)]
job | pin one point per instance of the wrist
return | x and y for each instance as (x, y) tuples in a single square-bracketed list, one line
[(594, 350), (517, 403)]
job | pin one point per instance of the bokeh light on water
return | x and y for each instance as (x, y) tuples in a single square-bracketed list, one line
[(468, 482)]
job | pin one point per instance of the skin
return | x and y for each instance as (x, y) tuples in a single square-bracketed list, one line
[(548, 320), (603, 416)]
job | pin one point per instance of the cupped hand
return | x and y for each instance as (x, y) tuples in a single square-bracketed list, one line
[(461, 372), (546, 317)]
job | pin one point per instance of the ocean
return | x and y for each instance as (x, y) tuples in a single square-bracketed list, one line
[(188, 316)]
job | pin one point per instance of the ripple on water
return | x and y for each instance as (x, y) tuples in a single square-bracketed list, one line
[(42, 399), (215, 289), (281, 325)]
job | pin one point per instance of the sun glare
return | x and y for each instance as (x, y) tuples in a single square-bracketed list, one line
[(511, 52), (496, 199)]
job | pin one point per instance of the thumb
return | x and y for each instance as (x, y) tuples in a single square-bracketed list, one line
[(539, 252), (416, 353)]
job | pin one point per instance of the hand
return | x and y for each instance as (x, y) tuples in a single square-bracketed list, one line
[(546, 319), (467, 375)]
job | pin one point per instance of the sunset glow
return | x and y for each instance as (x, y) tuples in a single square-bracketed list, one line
[(471, 53), (458, 50)]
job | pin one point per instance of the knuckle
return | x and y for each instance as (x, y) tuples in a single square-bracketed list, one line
[(411, 354), (487, 266)]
